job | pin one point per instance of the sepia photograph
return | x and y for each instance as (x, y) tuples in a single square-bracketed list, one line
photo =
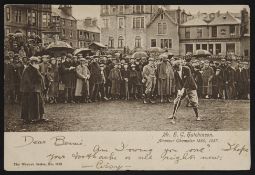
[(126, 67), (126, 87)]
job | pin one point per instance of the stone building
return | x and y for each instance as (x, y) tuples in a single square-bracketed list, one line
[(27, 18), (218, 33), (66, 24), (133, 26), (87, 32), (162, 30)]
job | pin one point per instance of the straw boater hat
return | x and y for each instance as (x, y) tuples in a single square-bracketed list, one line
[(151, 59), (132, 65)]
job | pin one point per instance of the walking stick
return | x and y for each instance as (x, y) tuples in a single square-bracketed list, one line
[(161, 90)]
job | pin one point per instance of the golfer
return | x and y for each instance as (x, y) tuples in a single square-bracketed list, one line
[(185, 85)]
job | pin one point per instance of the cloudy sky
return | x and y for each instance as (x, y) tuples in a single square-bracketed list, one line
[(83, 11)]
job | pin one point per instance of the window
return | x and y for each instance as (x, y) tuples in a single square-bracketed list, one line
[(53, 19), (121, 23), (232, 30), (31, 16), (230, 48), (197, 46), (113, 10), (71, 34), (71, 44), (199, 32), (80, 33), (17, 14), (204, 46), (214, 31), (138, 9), (87, 35), (218, 48), (121, 9), (105, 23), (138, 22), (165, 43), (223, 31), (63, 32), (63, 22), (161, 16), (81, 43), (111, 42), (246, 52), (93, 37), (153, 43), (120, 42), (137, 42), (211, 48), (105, 9), (189, 48), (162, 27), (187, 32), (44, 19), (8, 14), (7, 31)]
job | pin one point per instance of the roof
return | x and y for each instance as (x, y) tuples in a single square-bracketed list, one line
[(58, 12), (98, 44), (81, 26), (225, 19), (198, 21), (159, 11)]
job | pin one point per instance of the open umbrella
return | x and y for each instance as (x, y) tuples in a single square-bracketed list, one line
[(166, 54), (59, 46), (82, 51), (139, 55), (201, 52), (156, 49), (188, 53)]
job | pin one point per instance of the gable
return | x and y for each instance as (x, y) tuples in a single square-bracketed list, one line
[(157, 15)]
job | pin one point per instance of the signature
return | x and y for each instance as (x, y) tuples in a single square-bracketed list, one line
[(236, 148)]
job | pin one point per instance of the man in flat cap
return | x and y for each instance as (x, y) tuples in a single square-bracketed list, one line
[(149, 78), (185, 85), (207, 75), (18, 69)]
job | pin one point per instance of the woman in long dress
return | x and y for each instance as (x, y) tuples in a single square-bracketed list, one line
[(31, 87)]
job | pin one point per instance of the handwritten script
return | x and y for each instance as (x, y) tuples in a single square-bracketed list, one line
[(168, 149)]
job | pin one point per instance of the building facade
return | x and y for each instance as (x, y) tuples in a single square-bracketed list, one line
[(219, 35), (134, 26), (87, 32), (27, 18), (162, 31), (64, 22)]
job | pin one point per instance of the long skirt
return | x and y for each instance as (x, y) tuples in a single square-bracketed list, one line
[(32, 106), (166, 86), (53, 89)]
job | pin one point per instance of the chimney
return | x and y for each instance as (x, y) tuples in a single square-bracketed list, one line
[(67, 9), (88, 21), (217, 14), (178, 15), (94, 22), (244, 21)]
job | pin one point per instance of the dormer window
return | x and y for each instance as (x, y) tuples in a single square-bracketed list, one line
[(223, 32), (161, 16)]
